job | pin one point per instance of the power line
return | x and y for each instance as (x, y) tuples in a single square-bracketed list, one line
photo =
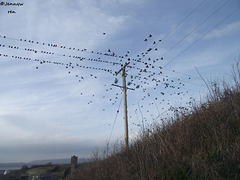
[(114, 122), (51, 53), (175, 27), (201, 37), (184, 19), (41, 61), (160, 67), (18, 57), (196, 27), (54, 45), (72, 56), (60, 55), (69, 65), (181, 73)]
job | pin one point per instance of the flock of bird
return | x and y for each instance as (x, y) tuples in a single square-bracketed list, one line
[(144, 74), (156, 87)]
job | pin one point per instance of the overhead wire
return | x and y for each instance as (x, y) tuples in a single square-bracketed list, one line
[(182, 73), (115, 119), (55, 45), (75, 49), (51, 53), (41, 61), (44, 61), (60, 55), (201, 37), (196, 27), (176, 26)]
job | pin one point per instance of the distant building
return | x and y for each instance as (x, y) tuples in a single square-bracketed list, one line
[(74, 163)]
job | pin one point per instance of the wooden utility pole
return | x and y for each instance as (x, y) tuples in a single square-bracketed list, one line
[(125, 108), (126, 139)]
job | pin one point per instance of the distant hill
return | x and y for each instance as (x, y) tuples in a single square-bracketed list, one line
[(56, 161), (53, 161), (18, 165)]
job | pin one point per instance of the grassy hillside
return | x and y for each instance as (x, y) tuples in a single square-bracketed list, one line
[(203, 143)]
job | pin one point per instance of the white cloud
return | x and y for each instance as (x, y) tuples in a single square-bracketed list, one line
[(228, 29)]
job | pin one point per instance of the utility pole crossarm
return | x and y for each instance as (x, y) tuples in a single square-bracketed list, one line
[(122, 87), (123, 68)]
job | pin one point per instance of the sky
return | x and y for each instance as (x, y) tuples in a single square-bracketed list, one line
[(59, 94)]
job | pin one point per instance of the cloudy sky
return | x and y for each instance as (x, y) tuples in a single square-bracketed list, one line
[(59, 58)]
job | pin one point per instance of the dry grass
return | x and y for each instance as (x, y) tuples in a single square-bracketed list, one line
[(203, 143)]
